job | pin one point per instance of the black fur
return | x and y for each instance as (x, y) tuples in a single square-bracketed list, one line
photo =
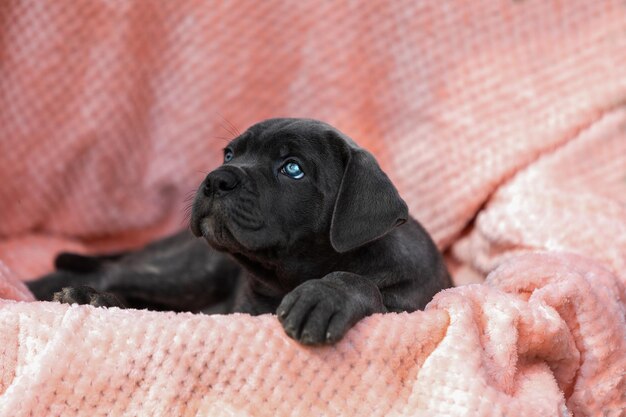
[(322, 252)]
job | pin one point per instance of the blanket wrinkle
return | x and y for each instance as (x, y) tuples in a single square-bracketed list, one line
[(585, 176), (581, 300), (531, 348), (501, 123)]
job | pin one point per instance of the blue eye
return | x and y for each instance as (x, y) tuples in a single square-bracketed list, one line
[(228, 155), (292, 170)]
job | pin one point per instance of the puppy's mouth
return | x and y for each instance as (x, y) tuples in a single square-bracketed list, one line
[(216, 233), (227, 224), (207, 222)]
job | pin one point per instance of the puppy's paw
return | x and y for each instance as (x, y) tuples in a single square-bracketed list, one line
[(316, 312), (86, 295)]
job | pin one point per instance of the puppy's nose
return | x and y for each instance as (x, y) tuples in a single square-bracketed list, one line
[(219, 183)]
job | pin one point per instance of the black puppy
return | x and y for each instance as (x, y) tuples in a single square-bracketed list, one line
[(322, 235)]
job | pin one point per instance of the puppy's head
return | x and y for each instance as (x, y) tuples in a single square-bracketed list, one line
[(295, 184)]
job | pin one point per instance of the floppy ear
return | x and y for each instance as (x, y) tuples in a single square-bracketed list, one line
[(368, 205)]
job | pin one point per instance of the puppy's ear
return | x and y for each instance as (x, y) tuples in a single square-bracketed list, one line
[(368, 205)]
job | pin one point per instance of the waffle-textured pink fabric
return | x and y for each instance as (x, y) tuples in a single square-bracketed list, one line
[(502, 123)]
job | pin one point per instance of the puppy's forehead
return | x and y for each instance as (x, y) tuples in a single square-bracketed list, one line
[(286, 136)]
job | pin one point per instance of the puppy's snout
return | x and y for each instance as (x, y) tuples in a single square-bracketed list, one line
[(219, 183)]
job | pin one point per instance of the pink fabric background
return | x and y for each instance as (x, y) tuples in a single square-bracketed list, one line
[(502, 123)]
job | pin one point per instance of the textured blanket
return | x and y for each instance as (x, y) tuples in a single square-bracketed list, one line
[(503, 124)]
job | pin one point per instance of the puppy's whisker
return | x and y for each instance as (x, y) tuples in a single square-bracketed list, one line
[(227, 129), (233, 126), (184, 223), (190, 195), (186, 215), (229, 123)]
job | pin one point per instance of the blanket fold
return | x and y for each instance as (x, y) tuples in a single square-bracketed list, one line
[(552, 344)]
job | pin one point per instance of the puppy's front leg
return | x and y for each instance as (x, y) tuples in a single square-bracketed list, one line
[(87, 295), (323, 310), (179, 273)]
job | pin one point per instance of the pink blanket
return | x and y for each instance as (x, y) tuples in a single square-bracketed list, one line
[(502, 123)]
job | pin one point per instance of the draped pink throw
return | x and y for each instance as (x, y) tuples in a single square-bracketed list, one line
[(502, 123)]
